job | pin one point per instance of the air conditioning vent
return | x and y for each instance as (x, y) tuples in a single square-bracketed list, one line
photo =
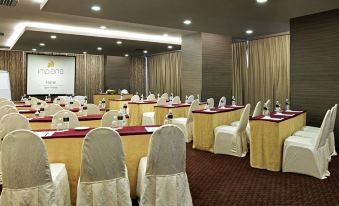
[(11, 3)]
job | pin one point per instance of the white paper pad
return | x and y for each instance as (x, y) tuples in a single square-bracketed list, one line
[(225, 108), (151, 129), (293, 111), (287, 115), (271, 118), (211, 111), (24, 110), (236, 106), (44, 134)]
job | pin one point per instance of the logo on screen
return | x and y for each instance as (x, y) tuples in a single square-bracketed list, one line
[(51, 69)]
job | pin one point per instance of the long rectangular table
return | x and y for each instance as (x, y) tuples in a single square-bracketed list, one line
[(136, 110), (117, 104), (99, 97), (268, 135), (66, 147), (204, 123)]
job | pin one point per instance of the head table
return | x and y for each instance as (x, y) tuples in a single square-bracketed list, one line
[(268, 135), (66, 147)]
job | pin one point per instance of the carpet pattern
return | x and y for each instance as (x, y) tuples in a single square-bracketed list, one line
[(222, 180)]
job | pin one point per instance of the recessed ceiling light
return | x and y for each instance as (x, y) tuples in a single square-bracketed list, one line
[(103, 27), (126, 55), (165, 34), (249, 31), (99, 48), (96, 8), (145, 51), (261, 1), (53, 37), (34, 50), (170, 46), (84, 52), (42, 44), (119, 42), (187, 22)]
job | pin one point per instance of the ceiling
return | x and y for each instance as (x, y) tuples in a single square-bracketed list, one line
[(231, 17), (146, 20), (79, 44)]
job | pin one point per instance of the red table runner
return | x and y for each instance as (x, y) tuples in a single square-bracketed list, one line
[(216, 110), (281, 117)]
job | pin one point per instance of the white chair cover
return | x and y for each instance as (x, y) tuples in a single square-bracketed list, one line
[(135, 98), (308, 155), (34, 101), (176, 100), (162, 178), (151, 97), (27, 176), (58, 118), (165, 95), (258, 109), (80, 99), (231, 140), (103, 174), (62, 100), (7, 103), (92, 109), (52, 109), (190, 99), (41, 102), (124, 91), (222, 102), (7, 110), (210, 102), (108, 118), (76, 104), (2, 99)]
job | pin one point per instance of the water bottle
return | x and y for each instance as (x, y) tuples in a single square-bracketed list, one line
[(85, 100), (158, 96), (120, 120), (37, 114), (265, 110), (171, 100), (100, 91), (84, 110), (169, 117), (277, 106), (234, 103), (137, 93), (46, 98), (198, 97), (42, 112), (142, 98), (103, 102), (121, 96), (186, 99), (124, 109), (100, 105), (66, 121), (49, 97), (287, 105)]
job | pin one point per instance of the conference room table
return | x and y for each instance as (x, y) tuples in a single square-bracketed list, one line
[(117, 104), (31, 112), (178, 110), (100, 97), (39, 123), (66, 147), (205, 121), (268, 135), (136, 110)]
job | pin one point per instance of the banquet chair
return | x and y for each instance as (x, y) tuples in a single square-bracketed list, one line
[(190, 99), (222, 102), (41, 102), (7, 102), (331, 138), (103, 173), (186, 123), (76, 104), (210, 102), (151, 97), (52, 109), (33, 101), (58, 118), (308, 156), (62, 100), (268, 104), (231, 140), (124, 91), (135, 98), (162, 178), (3, 99), (148, 117), (7, 110), (81, 99), (28, 178), (176, 100), (165, 95), (93, 109), (108, 118)]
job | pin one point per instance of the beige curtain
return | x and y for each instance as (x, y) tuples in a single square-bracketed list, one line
[(164, 72), (240, 85), (89, 77), (268, 73), (137, 75)]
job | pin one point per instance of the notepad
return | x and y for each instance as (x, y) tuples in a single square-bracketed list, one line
[(151, 129), (271, 118), (45, 134), (282, 114), (211, 111)]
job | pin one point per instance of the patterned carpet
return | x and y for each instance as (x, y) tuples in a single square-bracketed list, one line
[(222, 180)]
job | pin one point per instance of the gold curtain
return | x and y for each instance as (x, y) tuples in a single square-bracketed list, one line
[(89, 77), (137, 75), (239, 89), (268, 73), (14, 63), (164, 72)]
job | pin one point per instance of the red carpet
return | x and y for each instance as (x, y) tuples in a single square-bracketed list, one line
[(222, 180)]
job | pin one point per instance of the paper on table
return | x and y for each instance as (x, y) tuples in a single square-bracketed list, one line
[(151, 129), (282, 114), (293, 111), (271, 118), (212, 111), (45, 134), (24, 110)]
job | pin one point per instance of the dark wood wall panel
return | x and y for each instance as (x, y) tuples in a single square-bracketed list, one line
[(191, 70), (315, 65), (117, 72), (216, 66)]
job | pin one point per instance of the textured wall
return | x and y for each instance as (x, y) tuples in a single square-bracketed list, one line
[(117, 72), (315, 65)]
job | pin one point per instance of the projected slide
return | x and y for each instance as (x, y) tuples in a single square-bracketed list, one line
[(50, 74)]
